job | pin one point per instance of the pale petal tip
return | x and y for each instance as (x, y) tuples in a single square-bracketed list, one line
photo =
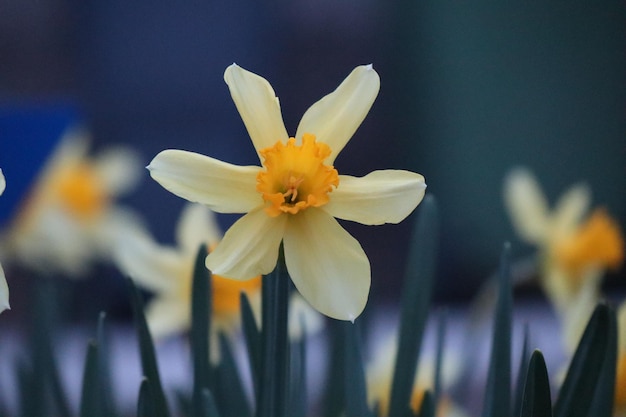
[(351, 318), (369, 67)]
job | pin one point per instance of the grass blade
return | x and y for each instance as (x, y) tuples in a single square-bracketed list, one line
[(604, 396), (148, 358), (90, 398), (253, 340), (229, 390), (200, 329), (498, 392), (146, 404), (521, 374), (355, 385), (577, 391), (536, 400), (417, 294), (274, 348), (334, 392)]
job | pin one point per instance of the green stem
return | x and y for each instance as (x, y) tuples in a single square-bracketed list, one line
[(274, 347)]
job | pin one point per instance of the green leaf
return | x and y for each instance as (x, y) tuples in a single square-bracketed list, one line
[(208, 405), (536, 400), (90, 405), (297, 377), (417, 294), (439, 349), (229, 390), (253, 340), (521, 373), (148, 357), (200, 328), (355, 385), (334, 387), (146, 404), (604, 396), (107, 401), (274, 367), (427, 407), (577, 391), (498, 392)]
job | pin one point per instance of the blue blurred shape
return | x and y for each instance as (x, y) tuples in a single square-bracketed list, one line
[(29, 133)]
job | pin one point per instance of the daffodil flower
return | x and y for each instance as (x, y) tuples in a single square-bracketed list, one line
[(4, 288), (167, 271), (575, 248), (379, 377), (296, 193), (69, 218)]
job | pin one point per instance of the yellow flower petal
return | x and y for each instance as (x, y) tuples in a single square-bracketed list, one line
[(380, 197), (335, 118), (152, 266), (258, 106), (197, 225), (327, 265), (223, 187), (3, 183), (570, 210), (4, 292), (250, 246), (167, 316), (526, 205)]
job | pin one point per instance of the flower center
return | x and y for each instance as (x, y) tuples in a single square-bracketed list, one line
[(295, 176), (81, 191), (598, 242)]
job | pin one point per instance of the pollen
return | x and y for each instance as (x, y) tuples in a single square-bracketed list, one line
[(295, 176), (597, 243), (81, 191)]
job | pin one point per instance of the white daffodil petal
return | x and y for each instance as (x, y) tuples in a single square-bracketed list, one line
[(119, 169), (4, 292), (380, 197), (153, 267), (223, 187), (334, 119), (258, 106), (526, 205), (167, 317), (197, 225), (3, 183), (570, 209), (327, 265), (249, 247)]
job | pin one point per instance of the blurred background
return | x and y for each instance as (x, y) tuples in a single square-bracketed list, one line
[(468, 91)]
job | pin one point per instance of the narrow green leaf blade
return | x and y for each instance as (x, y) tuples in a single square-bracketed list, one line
[(148, 356), (272, 400), (90, 405), (253, 340), (498, 392), (297, 378), (229, 390), (521, 373), (536, 400), (428, 406), (200, 328), (146, 404), (355, 385), (604, 396), (417, 294), (209, 409), (334, 388), (577, 391)]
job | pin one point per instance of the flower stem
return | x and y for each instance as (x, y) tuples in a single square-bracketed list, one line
[(274, 348)]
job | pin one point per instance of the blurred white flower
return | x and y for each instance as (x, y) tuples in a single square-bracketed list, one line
[(575, 248), (4, 288), (295, 196), (167, 271), (69, 218)]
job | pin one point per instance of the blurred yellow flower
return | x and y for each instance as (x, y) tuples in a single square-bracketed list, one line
[(620, 375), (68, 219), (379, 377), (297, 193), (575, 250), (4, 288), (168, 272)]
